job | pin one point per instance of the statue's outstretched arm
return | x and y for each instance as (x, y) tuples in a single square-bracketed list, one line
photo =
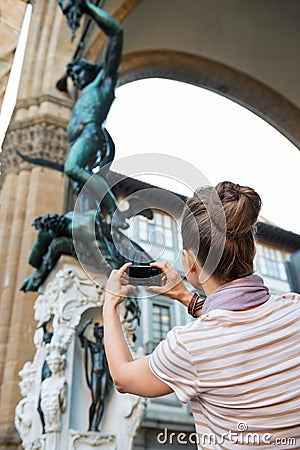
[(112, 51), (106, 22), (80, 333)]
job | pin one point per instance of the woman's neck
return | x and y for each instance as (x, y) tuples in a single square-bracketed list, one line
[(211, 285)]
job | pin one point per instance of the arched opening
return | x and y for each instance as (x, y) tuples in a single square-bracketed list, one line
[(219, 78), (267, 166)]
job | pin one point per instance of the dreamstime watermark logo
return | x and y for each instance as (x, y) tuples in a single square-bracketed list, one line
[(100, 247), (239, 437)]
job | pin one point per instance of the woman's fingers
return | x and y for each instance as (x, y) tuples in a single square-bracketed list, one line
[(129, 288), (123, 269), (154, 289), (164, 279), (164, 266)]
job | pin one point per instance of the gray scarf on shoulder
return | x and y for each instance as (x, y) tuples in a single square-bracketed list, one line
[(238, 295)]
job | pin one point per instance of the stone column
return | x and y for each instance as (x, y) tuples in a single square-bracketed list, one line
[(38, 129)]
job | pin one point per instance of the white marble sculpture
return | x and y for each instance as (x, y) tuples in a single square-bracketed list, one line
[(23, 416), (53, 389), (69, 297)]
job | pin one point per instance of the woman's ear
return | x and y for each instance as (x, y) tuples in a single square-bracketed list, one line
[(192, 268), (189, 260)]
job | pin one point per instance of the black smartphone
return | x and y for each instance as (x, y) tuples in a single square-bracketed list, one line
[(145, 276)]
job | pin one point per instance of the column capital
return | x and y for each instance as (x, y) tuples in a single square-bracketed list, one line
[(42, 137), (38, 130)]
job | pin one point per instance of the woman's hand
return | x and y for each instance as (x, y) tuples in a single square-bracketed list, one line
[(173, 285), (117, 287)]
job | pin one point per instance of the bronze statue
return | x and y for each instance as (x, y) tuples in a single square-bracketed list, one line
[(84, 234), (132, 309), (73, 12), (96, 244), (89, 141), (91, 145), (46, 372), (97, 373)]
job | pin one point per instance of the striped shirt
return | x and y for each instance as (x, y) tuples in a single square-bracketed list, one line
[(241, 372)]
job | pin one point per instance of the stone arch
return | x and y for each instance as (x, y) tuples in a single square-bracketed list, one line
[(217, 77)]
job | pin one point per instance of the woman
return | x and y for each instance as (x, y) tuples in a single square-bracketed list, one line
[(239, 362)]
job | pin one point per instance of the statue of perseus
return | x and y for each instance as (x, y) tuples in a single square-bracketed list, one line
[(90, 146), (90, 142)]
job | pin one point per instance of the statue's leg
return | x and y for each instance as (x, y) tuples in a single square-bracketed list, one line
[(59, 246), (92, 425), (40, 411), (100, 399), (92, 410), (99, 413), (83, 154), (39, 248)]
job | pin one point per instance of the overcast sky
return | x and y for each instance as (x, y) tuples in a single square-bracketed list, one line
[(222, 139)]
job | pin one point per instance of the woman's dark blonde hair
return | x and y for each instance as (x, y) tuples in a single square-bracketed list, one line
[(230, 228)]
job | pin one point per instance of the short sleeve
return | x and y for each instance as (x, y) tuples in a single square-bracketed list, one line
[(172, 364), (292, 296)]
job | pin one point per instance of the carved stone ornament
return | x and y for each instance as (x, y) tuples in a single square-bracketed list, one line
[(91, 440), (68, 294), (44, 140), (39, 444), (23, 416), (134, 414), (53, 389)]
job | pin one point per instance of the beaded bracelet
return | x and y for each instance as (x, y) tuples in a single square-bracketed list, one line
[(195, 304)]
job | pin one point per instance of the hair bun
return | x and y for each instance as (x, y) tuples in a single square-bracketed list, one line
[(241, 206)]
